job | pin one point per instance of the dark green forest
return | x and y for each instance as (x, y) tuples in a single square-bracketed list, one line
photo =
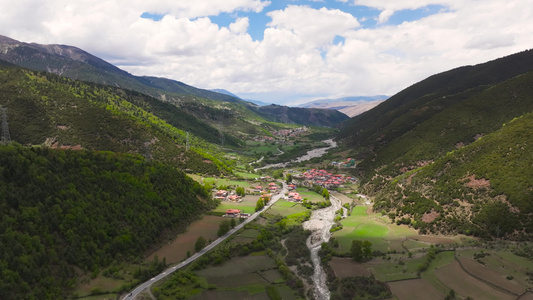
[(65, 212)]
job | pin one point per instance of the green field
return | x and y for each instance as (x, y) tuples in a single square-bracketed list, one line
[(286, 208), (246, 175), (244, 207), (310, 195)]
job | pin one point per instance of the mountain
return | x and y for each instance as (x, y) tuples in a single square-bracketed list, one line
[(77, 64), (426, 124), (350, 106), (46, 109), (303, 116)]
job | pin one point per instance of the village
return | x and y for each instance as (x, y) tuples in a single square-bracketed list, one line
[(259, 189)]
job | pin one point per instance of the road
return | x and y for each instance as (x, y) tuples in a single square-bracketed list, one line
[(182, 264)]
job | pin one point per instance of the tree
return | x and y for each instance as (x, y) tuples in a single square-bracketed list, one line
[(259, 205), (357, 250), (223, 228), (201, 242), (232, 223), (361, 250), (325, 193), (240, 191), (289, 178), (367, 249)]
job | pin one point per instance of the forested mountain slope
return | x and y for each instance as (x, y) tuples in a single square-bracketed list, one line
[(436, 155), (485, 188), (439, 114), (47, 109), (64, 212)]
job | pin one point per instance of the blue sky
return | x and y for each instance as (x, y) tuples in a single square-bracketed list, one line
[(368, 16), (281, 51)]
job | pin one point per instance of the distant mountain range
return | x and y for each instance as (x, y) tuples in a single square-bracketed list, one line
[(77, 64), (351, 106)]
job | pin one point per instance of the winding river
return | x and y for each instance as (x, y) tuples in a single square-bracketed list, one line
[(310, 154), (320, 223)]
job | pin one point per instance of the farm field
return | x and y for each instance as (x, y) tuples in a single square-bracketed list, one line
[(247, 205), (244, 277), (286, 208), (454, 277), (176, 250), (347, 267), (245, 236), (363, 224), (310, 195), (414, 289)]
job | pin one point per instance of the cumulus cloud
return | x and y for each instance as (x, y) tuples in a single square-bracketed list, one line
[(297, 56)]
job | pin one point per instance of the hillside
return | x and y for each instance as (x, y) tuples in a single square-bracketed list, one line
[(58, 112), (447, 112), (482, 189), (396, 130), (77, 64), (302, 116), (69, 212)]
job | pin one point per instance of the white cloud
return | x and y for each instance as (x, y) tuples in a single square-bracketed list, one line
[(297, 56), (315, 27), (385, 15), (240, 26)]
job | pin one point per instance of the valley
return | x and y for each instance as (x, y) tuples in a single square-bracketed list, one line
[(135, 187)]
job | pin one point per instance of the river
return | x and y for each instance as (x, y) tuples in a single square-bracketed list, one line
[(320, 223), (310, 154)]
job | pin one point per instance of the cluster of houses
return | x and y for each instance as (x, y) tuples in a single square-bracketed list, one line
[(289, 132), (226, 196), (281, 134), (322, 178), (236, 213), (294, 196), (348, 163)]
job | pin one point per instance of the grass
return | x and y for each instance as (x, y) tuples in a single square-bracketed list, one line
[(246, 175), (359, 211), (393, 270), (285, 208), (244, 207), (310, 195), (239, 265), (249, 233), (370, 230)]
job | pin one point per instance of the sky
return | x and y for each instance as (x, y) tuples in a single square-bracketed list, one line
[(280, 51)]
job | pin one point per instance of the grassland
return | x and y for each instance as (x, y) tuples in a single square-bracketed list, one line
[(363, 224)]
